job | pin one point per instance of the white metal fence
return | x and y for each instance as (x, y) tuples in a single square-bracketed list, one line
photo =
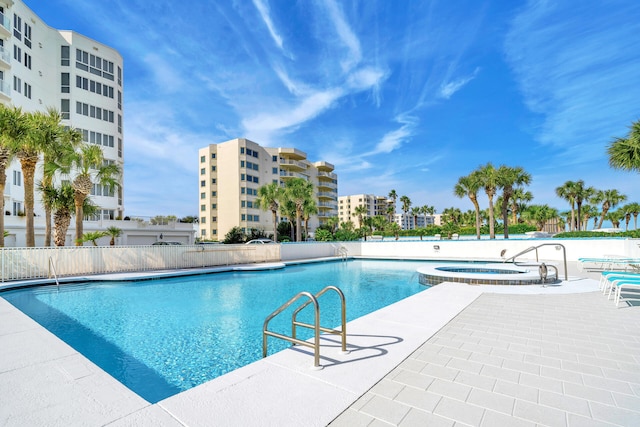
[(33, 263)]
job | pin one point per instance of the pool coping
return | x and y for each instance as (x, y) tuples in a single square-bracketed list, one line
[(47, 382)]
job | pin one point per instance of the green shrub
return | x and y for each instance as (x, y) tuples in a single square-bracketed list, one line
[(235, 235)]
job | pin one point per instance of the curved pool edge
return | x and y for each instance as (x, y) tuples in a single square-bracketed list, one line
[(483, 274)]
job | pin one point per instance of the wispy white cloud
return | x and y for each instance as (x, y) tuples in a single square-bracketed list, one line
[(447, 89), (575, 71), (394, 139), (347, 36), (263, 9)]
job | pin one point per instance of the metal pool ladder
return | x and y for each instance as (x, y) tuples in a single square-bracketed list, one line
[(52, 267), (311, 299)]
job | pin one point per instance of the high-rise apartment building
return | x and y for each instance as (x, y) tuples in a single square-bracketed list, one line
[(376, 205), (230, 174), (41, 67)]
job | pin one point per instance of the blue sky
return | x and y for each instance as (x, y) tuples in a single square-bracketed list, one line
[(404, 95)]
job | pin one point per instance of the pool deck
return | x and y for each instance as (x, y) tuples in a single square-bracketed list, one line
[(453, 355)]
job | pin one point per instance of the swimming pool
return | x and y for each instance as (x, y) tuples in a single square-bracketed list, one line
[(161, 337)]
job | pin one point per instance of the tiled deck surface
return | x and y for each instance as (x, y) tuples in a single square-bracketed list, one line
[(517, 360), (555, 356)]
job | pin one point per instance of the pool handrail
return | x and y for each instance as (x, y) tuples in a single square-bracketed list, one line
[(52, 267), (343, 330), (535, 248), (316, 327)]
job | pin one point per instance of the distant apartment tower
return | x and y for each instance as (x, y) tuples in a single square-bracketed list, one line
[(41, 67), (231, 174), (376, 205), (411, 222)]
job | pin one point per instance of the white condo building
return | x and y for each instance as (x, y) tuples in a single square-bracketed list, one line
[(42, 67), (230, 174), (375, 205)]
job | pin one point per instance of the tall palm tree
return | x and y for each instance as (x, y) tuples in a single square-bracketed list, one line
[(634, 208), (59, 144), (624, 153), (310, 208), (510, 178), (14, 129), (61, 201), (298, 190), (588, 212), (581, 193), (90, 165), (567, 192), (468, 186), (393, 196), (415, 211), (609, 199), (406, 205), (360, 211), (489, 180), (269, 197), (539, 215)]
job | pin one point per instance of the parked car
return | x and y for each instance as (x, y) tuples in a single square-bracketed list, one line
[(261, 241), (163, 243)]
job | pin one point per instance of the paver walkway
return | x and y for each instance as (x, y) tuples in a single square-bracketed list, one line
[(517, 360)]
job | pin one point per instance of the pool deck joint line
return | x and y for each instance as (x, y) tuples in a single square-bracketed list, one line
[(455, 354)]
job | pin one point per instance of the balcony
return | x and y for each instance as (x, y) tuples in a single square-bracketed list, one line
[(327, 195), (287, 174), (292, 164), (327, 185), (327, 205), (5, 91), (5, 59), (5, 26), (328, 175)]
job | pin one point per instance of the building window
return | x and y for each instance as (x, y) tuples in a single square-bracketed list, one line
[(203, 195), (64, 83), (17, 178), (214, 219), (17, 209), (64, 56), (202, 171), (214, 194), (27, 90), (213, 155), (27, 60), (242, 177), (17, 53), (27, 35), (17, 27), (241, 150), (274, 158), (243, 204), (203, 208), (203, 220), (213, 180), (214, 206), (214, 231), (119, 76), (243, 217), (203, 232), (65, 109), (202, 159), (119, 97), (17, 84), (203, 183), (275, 171), (119, 147), (213, 168)]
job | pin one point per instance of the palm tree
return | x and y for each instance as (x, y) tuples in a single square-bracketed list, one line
[(92, 237), (59, 143), (518, 202), (113, 232), (634, 209), (624, 153), (539, 215), (13, 131), (508, 179), (609, 199), (269, 197), (415, 211), (615, 217), (298, 190), (581, 193), (588, 212), (393, 196), (489, 180), (89, 163), (406, 205), (360, 211), (309, 208), (469, 186), (62, 202), (568, 193), (391, 211), (333, 223)]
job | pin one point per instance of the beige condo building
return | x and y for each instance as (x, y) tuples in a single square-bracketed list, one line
[(231, 173), (376, 205)]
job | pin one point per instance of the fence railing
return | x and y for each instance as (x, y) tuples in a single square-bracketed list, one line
[(33, 263)]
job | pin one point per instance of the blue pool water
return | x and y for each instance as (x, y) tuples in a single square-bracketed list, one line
[(161, 337)]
